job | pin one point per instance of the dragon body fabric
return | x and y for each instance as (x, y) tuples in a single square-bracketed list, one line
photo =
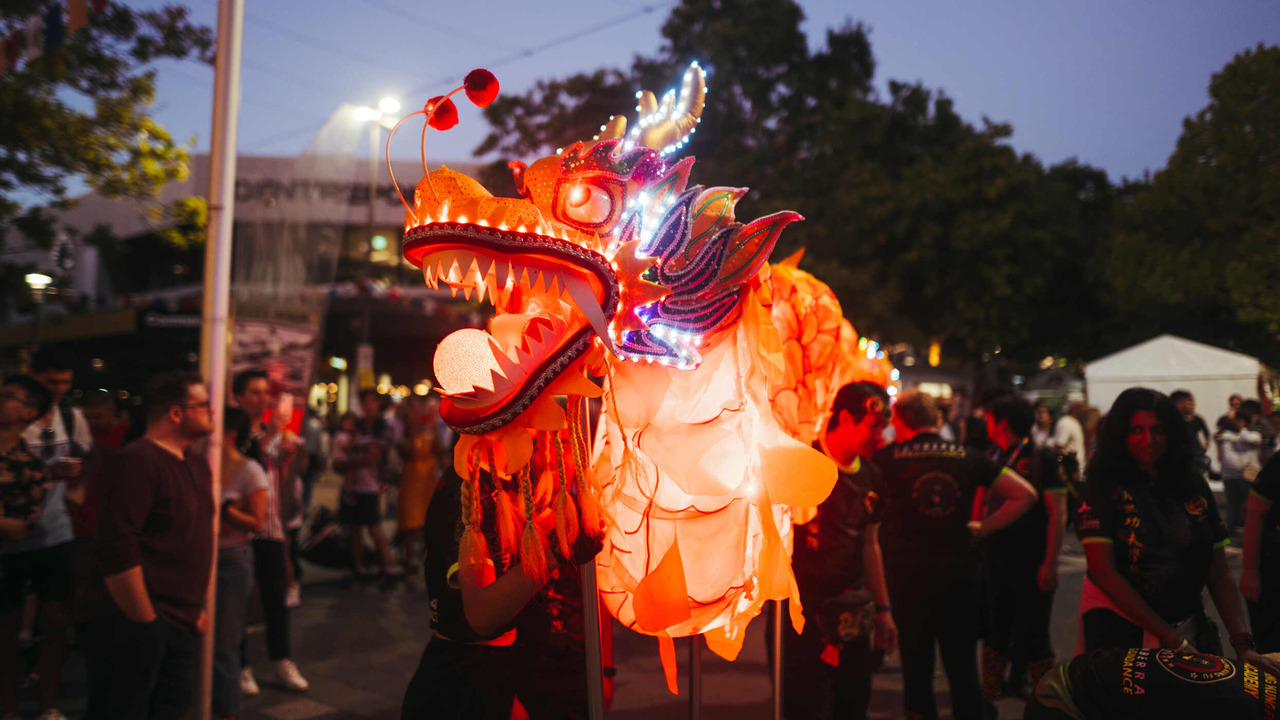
[(718, 372)]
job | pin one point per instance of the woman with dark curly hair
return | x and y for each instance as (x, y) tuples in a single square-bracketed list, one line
[(1152, 537)]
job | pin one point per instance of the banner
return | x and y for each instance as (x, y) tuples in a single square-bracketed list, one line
[(282, 340)]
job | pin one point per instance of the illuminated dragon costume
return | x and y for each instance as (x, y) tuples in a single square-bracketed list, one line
[(718, 371)]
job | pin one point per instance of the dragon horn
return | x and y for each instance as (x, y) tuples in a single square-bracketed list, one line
[(614, 129), (667, 125)]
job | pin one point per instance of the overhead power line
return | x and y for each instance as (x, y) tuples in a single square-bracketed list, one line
[(504, 60), (431, 22), (562, 40)]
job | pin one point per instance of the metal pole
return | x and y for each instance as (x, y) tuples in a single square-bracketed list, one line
[(695, 678), (375, 135), (366, 306), (591, 619), (777, 660), (37, 297), (217, 282)]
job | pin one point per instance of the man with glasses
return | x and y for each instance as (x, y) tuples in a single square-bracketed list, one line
[(42, 561), (144, 599), (827, 669)]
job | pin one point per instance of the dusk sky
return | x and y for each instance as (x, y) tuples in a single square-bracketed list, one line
[(1105, 81)]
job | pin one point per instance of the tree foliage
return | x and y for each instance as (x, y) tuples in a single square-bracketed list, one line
[(1200, 245), (930, 228), (927, 227), (81, 111)]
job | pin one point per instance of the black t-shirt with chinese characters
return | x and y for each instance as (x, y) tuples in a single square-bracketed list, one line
[(930, 485), (827, 559), (1023, 541), (1154, 683), (1267, 487), (23, 482), (1163, 545)]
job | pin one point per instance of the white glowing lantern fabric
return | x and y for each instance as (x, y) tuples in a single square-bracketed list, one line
[(699, 477)]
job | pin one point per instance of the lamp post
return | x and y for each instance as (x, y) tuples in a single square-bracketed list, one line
[(38, 282), (376, 117)]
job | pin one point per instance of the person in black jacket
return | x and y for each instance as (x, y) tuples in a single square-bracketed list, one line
[(930, 551), (1152, 683)]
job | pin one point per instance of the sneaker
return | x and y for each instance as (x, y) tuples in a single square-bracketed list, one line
[(293, 596), (248, 683), (53, 714), (289, 676)]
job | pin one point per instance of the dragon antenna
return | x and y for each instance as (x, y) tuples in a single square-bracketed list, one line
[(480, 86)]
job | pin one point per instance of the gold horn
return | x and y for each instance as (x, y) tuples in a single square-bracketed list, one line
[(665, 126), (614, 129)]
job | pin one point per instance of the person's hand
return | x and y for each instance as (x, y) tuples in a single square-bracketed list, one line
[(886, 632), (66, 469), (1258, 660), (202, 623), (1251, 585), (1047, 578), (975, 529), (149, 617), (1174, 640)]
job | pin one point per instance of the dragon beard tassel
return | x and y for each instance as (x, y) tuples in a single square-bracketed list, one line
[(565, 509), (588, 502), (505, 514), (473, 549), (533, 557)]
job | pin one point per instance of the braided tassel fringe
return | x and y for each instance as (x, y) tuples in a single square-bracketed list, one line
[(473, 549), (588, 494), (533, 557), (504, 510), (565, 510)]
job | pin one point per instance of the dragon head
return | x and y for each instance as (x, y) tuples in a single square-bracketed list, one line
[(607, 248)]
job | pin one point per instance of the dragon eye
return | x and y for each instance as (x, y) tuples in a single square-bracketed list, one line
[(588, 204)]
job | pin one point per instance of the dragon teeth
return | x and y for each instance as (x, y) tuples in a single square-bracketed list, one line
[(501, 270)]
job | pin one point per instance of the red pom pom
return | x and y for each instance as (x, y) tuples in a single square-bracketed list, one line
[(482, 87), (445, 115)]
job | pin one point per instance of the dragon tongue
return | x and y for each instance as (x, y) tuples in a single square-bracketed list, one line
[(582, 295)]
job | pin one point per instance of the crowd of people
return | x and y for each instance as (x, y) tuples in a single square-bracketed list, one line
[(940, 538), (970, 524), (107, 530)]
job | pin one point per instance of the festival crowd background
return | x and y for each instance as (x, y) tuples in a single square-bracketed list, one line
[(292, 501)]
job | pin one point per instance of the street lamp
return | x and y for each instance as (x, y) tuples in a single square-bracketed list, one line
[(378, 117), (37, 282)]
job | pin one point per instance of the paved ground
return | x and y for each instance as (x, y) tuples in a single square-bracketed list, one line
[(359, 647)]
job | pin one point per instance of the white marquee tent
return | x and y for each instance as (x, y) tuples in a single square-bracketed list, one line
[(1167, 363)]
